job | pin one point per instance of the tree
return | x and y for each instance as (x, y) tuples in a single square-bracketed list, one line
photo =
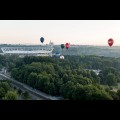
[(5, 86), (95, 93), (32, 78), (114, 95), (43, 82), (118, 94), (67, 90), (2, 92), (26, 95), (14, 73), (19, 91), (78, 93), (109, 76), (10, 95), (14, 87), (52, 89), (111, 79), (65, 78)]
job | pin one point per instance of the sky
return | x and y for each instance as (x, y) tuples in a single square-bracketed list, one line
[(78, 32)]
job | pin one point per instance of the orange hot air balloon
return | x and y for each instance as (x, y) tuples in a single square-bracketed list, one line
[(110, 42)]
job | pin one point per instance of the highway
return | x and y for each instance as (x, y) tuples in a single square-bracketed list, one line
[(34, 94)]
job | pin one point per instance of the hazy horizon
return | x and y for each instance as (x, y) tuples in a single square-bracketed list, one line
[(77, 32)]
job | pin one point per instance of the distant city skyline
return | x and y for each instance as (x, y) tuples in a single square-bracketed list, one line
[(78, 32)]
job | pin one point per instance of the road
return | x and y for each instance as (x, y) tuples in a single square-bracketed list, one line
[(35, 94), (32, 96)]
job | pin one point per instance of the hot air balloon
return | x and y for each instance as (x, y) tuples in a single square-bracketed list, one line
[(62, 46), (62, 57), (110, 42), (67, 45), (42, 39)]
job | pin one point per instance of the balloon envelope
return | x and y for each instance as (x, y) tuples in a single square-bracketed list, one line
[(62, 46), (110, 42), (67, 45), (42, 39), (62, 57)]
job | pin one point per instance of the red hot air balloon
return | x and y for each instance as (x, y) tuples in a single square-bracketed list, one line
[(110, 42), (67, 45)]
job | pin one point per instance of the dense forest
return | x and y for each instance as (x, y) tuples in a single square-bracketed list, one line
[(72, 78), (6, 92)]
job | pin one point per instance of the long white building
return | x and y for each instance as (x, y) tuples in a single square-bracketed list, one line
[(43, 50)]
